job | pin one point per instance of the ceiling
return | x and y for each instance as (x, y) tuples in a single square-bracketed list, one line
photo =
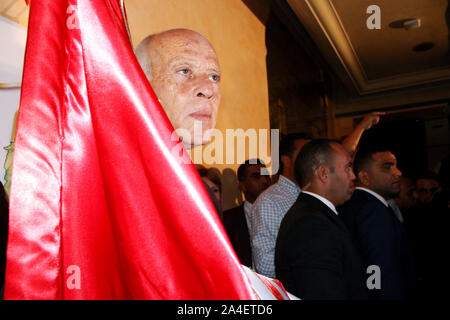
[(367, 61), (377, 60)]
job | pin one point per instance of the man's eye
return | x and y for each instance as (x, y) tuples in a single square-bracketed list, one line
[(214, 78), (184, 71)]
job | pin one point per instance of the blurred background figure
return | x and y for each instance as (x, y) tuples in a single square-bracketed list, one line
[(405, 200), (212, 181), (427, 227), (237, 220), (427, 185)]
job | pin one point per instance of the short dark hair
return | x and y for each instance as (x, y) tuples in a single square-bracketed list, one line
[(287, 145), (364, 156), (427, 174), (312, 155), (242, 170), (212, 174)]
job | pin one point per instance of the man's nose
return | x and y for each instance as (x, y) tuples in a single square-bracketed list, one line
[(352, 175), (397, 172), (204, 89)]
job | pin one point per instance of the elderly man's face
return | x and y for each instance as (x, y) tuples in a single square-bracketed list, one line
[(186, 77)]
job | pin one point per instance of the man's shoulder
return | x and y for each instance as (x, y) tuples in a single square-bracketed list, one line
[(275, 192), (234, 211), (363, 205), (306, 209), (359, 200)]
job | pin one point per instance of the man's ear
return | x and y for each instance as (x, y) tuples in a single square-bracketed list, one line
[(323, 173), (241, 186), (364, 178)]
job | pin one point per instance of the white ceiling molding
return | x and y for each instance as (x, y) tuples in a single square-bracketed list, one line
[(324, 25)]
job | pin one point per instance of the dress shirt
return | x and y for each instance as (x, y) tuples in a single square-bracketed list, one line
[(397, 211), (247, 211), (266, 215)]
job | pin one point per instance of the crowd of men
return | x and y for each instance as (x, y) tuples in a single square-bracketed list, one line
[(342, 227), (340, 222)]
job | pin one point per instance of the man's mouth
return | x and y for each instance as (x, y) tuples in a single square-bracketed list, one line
[(201, 115)]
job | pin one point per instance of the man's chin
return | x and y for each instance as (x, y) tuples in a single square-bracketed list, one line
[(195, 141)]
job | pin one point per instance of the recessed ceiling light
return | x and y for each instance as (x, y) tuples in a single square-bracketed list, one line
[(424, 46), (411, 24), (407, 24)]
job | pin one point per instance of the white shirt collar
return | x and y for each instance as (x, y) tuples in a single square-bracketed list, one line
[(247, 211), (247, 207), (325, 201), (376, 195)]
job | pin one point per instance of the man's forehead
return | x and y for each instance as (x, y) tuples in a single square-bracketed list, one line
[(426, 181), (383, 157), (254, 168), (183, 44), (340, 153)]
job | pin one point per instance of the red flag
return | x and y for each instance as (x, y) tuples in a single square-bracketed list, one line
[(100, 208)]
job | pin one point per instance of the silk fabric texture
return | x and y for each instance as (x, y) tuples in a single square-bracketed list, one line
[(97, 191)]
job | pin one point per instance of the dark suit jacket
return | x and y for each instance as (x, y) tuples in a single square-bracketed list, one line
[(237, 230), (314, 256), (381, 240)]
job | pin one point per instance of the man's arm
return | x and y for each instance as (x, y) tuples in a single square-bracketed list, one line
[(350, 143)]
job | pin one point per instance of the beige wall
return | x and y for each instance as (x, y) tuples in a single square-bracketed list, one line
[(239, 39)]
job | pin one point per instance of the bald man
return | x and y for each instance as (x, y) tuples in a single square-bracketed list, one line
[(184, 72)]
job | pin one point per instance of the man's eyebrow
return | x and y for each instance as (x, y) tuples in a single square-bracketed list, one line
[(388, 163), (214, 70)]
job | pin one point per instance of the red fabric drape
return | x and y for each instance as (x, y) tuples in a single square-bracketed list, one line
[(100, 207)]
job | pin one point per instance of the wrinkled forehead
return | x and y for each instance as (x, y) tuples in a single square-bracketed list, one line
[(188, 45)]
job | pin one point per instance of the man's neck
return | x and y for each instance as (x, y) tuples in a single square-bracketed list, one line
[(321, 193), (381, 194), (289, 176), (249, 199)]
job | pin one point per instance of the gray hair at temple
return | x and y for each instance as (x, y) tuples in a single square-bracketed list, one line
[(313, 154)]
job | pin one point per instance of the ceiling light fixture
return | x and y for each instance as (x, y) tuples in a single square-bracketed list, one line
[(407, 24), (411, 24)]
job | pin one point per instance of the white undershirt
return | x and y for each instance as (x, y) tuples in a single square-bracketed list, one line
[(325, 201)]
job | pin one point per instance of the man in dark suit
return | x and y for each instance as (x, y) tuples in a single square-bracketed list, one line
[(376, 231), (314, 256), (237, 220)]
